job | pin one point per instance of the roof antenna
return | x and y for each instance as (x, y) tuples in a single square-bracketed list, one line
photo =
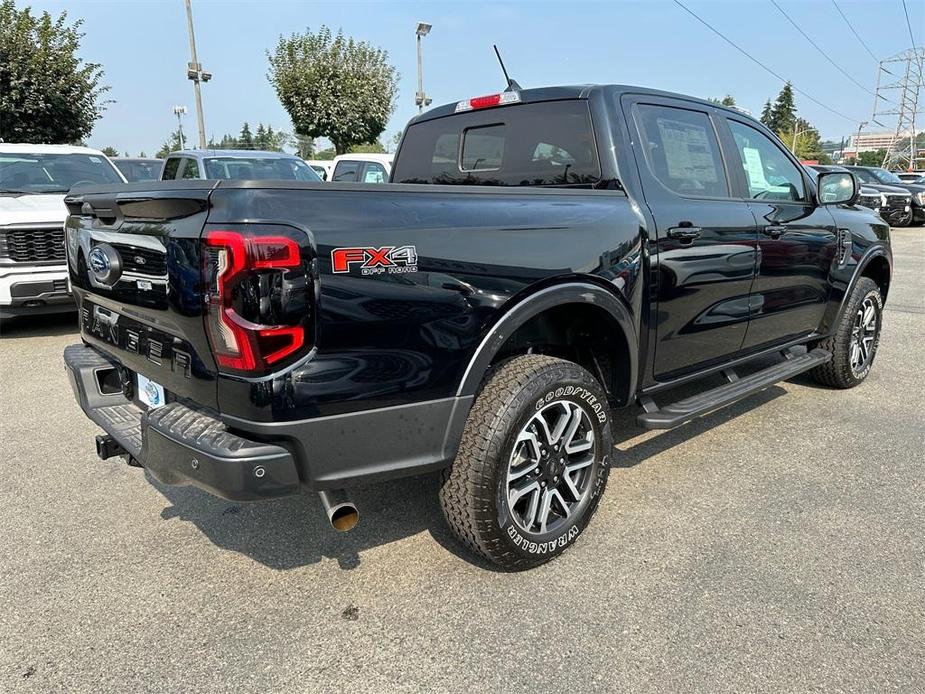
[(511, 84)]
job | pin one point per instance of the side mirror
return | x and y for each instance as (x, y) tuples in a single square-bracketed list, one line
[(837, 188)]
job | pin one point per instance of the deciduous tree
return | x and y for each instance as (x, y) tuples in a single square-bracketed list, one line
[(333, 86), (47, 92)]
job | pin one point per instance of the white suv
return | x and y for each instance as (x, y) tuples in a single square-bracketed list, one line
[(33, 182)]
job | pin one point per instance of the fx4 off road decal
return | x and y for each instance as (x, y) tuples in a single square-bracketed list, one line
[(375, 261)]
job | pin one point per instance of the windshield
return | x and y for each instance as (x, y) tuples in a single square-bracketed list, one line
[(244, 168), (52, 173), (865, 175), (885, 176)]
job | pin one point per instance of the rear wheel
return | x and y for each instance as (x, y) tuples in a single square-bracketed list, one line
[(854, 342), (532, 464)]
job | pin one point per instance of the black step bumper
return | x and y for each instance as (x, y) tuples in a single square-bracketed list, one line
[(179, 444)]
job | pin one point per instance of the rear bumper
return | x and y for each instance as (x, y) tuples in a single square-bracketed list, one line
[(33, 289), (178, 444), (229, 458)]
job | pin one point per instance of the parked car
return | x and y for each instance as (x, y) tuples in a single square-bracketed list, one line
[(33, 181), (867, 196), (236, 164), (137, 169), (917, 177), (542, 257), (875, 176), (322, 167), (362, 168)]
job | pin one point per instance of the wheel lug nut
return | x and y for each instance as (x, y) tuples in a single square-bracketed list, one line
[(536, 472)]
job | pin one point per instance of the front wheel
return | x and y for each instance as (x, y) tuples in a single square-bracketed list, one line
[(854, 342), (532, 463)]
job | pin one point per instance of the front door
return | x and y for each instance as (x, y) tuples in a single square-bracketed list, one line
[(706, 239), (797, 240)]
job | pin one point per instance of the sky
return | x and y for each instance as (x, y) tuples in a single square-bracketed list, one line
[(143, 48)]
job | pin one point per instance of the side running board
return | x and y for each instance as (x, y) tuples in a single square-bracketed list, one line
[(682, 411)]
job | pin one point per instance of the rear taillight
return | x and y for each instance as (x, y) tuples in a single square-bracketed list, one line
[(259, 300)]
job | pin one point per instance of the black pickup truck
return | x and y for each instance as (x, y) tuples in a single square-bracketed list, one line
[(541, 258)]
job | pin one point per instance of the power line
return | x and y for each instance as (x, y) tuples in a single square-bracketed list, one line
[(909, 25), (762, 65), (856, 35), (816, 46)]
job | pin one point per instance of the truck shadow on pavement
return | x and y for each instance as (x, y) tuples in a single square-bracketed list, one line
[(294, 532)]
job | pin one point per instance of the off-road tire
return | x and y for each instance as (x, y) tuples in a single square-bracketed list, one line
[(474, 490), (838, 372)]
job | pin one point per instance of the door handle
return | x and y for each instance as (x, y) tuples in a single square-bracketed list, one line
[(684, 233), (774, 231)]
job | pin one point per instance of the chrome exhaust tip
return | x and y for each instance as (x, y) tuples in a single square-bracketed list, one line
[(342, 513)]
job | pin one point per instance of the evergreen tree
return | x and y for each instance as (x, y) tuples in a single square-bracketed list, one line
[(246, 138), (766, 113), (260, 137), (784, 111), (728, 100)]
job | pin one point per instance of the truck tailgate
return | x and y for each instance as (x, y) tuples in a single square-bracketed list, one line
[(134, 260)]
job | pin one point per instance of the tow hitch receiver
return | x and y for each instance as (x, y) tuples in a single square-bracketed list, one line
[(107, 447)]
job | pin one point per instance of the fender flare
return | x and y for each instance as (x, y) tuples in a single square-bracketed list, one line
[(534, 304), (832, 313)]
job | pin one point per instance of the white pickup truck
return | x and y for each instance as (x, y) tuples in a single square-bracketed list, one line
[(33, 182)]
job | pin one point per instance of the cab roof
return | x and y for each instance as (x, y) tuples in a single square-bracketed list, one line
[(574, 91)]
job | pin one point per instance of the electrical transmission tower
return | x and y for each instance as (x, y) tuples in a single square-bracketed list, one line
[(905, 73)]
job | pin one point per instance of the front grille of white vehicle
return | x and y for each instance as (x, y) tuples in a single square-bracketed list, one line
[(32, 244)]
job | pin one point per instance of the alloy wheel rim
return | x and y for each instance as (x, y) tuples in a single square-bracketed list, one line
[(863, 336), (550, 467)]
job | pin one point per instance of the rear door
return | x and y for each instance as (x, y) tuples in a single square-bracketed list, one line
[(706, 239), (797, 238)]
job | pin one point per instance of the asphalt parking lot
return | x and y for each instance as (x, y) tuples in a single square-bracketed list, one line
[(776, 546)]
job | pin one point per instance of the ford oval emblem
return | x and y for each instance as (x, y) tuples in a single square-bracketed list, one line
[(105, 263)]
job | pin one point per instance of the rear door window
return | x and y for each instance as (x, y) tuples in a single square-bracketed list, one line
[(190, 169), (375, 173), (170, 169), (682, 150), (549, 143)]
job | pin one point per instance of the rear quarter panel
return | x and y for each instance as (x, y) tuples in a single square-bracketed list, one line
[(387, 339)]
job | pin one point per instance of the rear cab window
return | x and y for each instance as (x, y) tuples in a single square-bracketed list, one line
[(346, 171), (548, 143)]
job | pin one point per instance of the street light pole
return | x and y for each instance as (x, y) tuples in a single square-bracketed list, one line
[(179, 111), (857, 142), (420, 98), (196, 74)]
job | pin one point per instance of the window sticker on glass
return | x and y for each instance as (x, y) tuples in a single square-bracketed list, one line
[(687, 151), (754, 169)]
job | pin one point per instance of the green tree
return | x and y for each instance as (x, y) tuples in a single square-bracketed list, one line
[(395, 140), (727, 100), (110, 151), (326, 154), (47, 93), (172, 144), (142, 155), (334, 87), (874, 158), (246, 138), (368, 148), (784, 112), (766, 113), (305, 146)]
